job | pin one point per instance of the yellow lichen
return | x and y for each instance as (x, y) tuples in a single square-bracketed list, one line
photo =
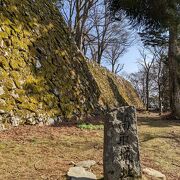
[(4, 63)]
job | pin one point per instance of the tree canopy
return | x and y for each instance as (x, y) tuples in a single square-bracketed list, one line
[(152, 16)]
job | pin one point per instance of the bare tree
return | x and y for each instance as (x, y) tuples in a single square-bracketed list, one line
[(99, 22), (93, 29), (112, 55), (75, 13), (138, 81), (158, 69), (147, 65), (105, 33), (151, 80)]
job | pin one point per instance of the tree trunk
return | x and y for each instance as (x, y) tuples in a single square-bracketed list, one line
[(100, 52), (174, 75), (160, 104), (99, 60), (159, 88), (78, 34), (112, 68), (147, 91)]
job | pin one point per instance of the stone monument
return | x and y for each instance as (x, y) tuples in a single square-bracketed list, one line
[(121, 149)]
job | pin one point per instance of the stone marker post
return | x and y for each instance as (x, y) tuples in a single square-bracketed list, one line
[(121, 149)]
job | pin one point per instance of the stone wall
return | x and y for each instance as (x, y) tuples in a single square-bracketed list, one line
[(43, 76)]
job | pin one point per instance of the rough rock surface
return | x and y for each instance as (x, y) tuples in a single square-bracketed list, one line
[(156, 175), (2, 128), (79, 173), (121, 149), (42, 73), (86, 164)]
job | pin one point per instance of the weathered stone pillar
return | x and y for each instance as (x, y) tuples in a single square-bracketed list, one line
[(121, 149)]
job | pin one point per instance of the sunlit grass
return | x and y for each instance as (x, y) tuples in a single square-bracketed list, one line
[(90, 126)]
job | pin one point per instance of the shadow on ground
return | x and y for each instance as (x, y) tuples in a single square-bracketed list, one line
[(156, 121), (170, 136)]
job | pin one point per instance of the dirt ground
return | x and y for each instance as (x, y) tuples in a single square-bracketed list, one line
[(35, 153)]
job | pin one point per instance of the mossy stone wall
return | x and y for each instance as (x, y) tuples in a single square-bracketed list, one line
[(42, 73)]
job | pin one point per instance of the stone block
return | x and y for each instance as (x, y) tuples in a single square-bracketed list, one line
[(121, 149)]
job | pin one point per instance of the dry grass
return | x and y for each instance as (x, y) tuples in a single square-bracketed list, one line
[(160, 144), (31, 152), (46, 153)]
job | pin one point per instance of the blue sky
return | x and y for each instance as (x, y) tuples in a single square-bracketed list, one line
[(130, 59)]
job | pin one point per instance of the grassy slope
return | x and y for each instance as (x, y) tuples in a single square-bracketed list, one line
[(114, 91), (47, 152)]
